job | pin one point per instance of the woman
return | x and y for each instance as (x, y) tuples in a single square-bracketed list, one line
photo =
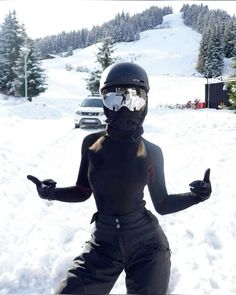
[(116, 165)]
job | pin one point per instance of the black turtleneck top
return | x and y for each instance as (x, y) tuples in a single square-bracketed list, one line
[(117, 176)]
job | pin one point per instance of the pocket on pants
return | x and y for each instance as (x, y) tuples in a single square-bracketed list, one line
[(157, 244), (158, 239), (151, 216)]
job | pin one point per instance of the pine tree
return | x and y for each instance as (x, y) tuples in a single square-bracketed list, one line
[(12, 62), (12, 37), (232, 86), (211, 57), (215, 54), (167, 10), (229, 38), (123, 28), (203, 52), (218, 37), (202, 19), (104, 59), (104, 53), (93, 82), (4, 64), (36, 79)]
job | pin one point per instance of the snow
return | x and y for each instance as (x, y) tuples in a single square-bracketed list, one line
[(39, 239)]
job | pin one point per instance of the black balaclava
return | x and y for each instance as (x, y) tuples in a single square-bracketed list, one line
[(125, 125)]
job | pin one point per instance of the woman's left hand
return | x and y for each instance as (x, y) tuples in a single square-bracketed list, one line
[(202, 188)]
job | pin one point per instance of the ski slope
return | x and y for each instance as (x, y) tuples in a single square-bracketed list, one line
[(165, 53), (39, 239)]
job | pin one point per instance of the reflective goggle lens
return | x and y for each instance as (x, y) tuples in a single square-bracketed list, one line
[(131, 97)]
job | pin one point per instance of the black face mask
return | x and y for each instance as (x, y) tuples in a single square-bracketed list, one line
[(125, 125)]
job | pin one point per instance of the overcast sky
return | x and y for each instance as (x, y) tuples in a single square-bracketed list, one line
[(46, 17)]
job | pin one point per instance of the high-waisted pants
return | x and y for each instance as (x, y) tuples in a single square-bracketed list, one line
[(134, 243)]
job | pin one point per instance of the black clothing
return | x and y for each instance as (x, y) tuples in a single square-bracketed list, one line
[(45, 188), (117, 178), (115, 166), (124, 74), (202, 188), (134, 243), (125, 124), (126, 235), (128, 136)]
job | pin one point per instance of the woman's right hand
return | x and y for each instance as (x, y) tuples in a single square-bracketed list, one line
[(45, 188)]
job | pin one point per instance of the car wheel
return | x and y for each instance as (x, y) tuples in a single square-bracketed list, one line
[(76, 125)]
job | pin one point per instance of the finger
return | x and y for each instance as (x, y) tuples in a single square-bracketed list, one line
[(204, 185), (49, 182), (195, 183), (34, 179), (207, 175), (192, 190)]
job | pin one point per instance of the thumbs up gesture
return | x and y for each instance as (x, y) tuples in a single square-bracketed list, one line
[(45, 188), (202, 188)]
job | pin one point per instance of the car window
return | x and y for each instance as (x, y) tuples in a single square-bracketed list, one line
[(92, 102)]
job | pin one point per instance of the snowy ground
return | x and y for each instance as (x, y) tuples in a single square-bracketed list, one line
[(39, 239)]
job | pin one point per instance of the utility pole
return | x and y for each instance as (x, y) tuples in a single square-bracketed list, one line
[(25, 51)]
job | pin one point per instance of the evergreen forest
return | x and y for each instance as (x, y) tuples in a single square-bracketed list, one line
[(218, 30)]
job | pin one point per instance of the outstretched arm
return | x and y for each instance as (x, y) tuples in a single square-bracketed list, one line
[(47, 190), (72, 194), (162, 201), (78, 193)]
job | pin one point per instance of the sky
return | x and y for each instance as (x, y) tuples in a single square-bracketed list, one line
[(42, 18)]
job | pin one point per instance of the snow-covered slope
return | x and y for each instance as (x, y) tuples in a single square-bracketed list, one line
[(38, 239), (168, 53), (171, 45)]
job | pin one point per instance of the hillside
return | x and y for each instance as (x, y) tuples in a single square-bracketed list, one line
[(168, 53)]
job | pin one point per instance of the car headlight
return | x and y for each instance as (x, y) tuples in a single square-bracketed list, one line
[(101, 113), (78, 113)]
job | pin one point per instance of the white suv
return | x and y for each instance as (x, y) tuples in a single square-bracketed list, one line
[(90, 113)]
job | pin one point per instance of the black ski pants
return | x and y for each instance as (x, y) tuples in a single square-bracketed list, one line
[(134, 243)]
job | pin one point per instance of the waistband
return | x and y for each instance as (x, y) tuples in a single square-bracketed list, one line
[(119, 221)]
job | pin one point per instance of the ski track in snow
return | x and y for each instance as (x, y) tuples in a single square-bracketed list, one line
[(52, 160), (48, 235)]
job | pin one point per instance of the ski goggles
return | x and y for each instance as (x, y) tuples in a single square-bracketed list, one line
[(133, 98)]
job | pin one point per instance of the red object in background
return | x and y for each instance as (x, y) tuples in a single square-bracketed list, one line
[(201, 105)]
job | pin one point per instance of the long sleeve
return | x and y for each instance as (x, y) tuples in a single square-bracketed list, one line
[(82, 190), (162, 201), (72, 194)]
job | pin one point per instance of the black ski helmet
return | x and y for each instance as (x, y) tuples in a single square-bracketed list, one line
[(124, 125), (124, 73)]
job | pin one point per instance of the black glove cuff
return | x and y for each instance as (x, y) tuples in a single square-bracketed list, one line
[(201, 198), (51, 197), (47, 193), (198, 199)]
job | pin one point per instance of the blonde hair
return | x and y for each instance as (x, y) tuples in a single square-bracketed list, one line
[(97, 146), (141, 152)]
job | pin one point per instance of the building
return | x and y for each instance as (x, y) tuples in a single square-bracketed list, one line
[(216, 95)]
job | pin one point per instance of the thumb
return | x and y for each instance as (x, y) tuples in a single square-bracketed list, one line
[(207, 175), (34, 179)]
